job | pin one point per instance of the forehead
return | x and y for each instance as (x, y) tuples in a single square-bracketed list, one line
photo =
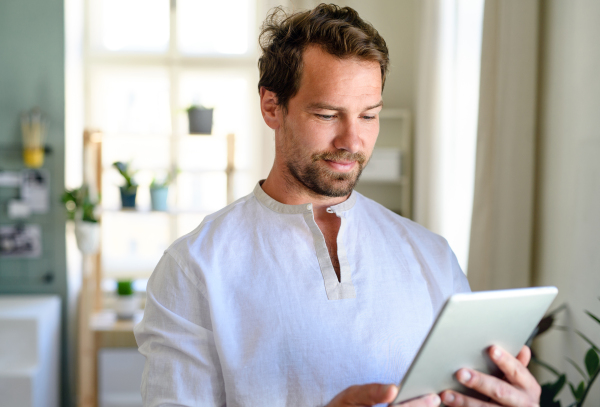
[(338, 81)]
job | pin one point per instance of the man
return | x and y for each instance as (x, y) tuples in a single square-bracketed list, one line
[(304, 292)]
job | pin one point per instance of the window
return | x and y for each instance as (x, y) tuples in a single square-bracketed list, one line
[(145, 62)]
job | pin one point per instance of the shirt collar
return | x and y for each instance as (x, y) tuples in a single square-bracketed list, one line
[(279, 207)]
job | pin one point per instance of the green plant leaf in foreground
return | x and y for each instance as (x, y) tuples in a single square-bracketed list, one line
[(550, 392), (580, 370), (595, 318), (578, 392), (592, 362), (585, 338)]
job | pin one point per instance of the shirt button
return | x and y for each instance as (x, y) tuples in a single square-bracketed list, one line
[(329, 210), (309, 207)]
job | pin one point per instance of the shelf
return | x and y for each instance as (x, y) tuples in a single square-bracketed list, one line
[(107, 321)]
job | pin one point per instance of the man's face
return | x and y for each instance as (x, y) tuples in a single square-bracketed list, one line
[(331, 125)]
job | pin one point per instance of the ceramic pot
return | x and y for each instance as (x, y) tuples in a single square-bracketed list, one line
[(128, 196), (87, 235), (126, 306), (158, 198), (200, 120)]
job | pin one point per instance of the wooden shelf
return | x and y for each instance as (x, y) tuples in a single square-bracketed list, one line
[(107, 321)]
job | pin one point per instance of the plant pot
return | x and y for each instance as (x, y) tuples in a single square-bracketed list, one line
[(200, 120), (158, 198), (126, 306), (87, 235), (128, 196)]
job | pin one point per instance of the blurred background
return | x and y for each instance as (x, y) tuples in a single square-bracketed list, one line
[(489, 137)]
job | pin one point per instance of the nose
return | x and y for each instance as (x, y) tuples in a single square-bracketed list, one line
[(348, 137)]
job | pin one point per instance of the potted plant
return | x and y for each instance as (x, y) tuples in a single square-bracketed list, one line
[(83, 210), (129, 190), (589, 373), (159, 192), (126, 303), (200, 119)]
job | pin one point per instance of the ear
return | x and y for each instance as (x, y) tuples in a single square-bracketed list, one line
[(269, 108)]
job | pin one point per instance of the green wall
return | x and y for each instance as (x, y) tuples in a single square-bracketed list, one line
[(32, 74)]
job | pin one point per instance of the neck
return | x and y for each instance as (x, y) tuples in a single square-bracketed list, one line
[(285, 188)]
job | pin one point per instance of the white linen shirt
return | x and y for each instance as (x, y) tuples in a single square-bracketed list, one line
[(247, 310)]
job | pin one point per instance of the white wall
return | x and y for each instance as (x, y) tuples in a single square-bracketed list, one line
[(567, 231)]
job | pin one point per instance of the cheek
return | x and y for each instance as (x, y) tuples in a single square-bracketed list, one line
[(370, 136)]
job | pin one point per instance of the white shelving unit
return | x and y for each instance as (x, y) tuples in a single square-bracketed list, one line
[(393, 191)]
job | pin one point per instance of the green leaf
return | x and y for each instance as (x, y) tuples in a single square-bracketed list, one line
[(550, 391), (578, 392), (557, 386), (595, 318), (547, 397), (576, 367), (592, 362)]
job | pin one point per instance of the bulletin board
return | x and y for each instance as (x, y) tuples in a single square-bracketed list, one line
[(31, 225)]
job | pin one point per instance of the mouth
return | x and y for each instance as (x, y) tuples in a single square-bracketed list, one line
[(341, 165)]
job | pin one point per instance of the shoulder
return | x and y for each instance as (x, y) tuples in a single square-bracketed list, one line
[(392, 222), (216, 229)]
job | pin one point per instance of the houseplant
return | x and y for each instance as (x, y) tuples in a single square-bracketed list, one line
[(200, 119), (129, 190), (126, 303), (82, 209), (159, 192), (591, 361)]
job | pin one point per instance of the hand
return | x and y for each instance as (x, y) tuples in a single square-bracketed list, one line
[(371, 394), (519, 388)]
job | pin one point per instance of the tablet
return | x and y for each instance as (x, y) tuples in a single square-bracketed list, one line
[(465, 328)]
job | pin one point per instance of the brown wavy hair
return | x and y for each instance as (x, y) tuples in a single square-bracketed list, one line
[(339, 31)]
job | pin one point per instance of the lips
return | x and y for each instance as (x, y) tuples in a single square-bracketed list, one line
[(341, 166)]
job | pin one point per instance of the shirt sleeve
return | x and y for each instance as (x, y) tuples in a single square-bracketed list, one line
[(460, 282), (175, 335)]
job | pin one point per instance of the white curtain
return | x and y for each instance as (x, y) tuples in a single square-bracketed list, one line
[(501, 232), (446, 118)]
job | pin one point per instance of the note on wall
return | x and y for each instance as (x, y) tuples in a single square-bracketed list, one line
[(35, 190), (20, 241)]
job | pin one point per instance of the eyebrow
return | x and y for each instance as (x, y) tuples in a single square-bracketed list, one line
[(326, 106)]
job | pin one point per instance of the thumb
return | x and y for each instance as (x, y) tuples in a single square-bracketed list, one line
[(369, 394)]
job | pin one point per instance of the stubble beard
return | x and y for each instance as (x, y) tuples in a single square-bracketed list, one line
[(315, 175)]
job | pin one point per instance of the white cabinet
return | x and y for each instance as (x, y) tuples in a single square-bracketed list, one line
[(29, 350), (388, 177)]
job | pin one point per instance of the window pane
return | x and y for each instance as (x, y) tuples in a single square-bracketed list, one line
[(206, 191), (133, 101), (214, 27), (148, 152), (202, 153), (130, 25), (133, 242)]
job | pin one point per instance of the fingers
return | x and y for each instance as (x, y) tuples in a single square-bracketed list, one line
[(454, 399), (520, 388), (514, 369), (366, 395), (524, 356), (491, 386), (430, 400)]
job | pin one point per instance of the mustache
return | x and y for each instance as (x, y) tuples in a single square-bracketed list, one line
[(340, 156)]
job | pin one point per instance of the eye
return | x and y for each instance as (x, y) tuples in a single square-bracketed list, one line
[(326, 116), (367, 117)]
